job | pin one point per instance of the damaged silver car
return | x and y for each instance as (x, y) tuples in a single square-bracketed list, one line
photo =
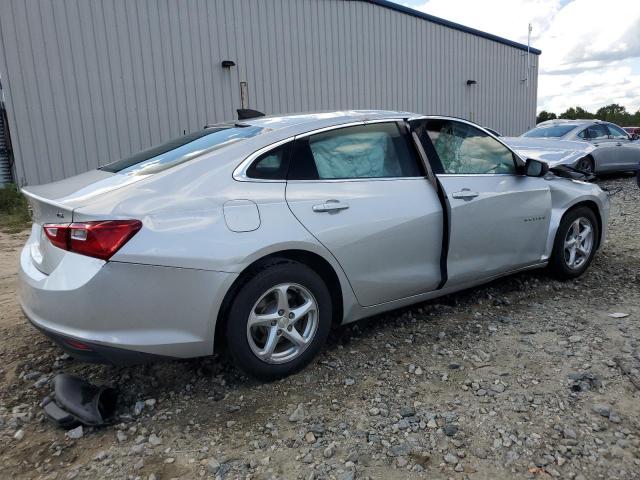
[(260, 235)]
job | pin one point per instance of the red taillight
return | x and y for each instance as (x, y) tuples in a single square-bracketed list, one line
[(99, 239)]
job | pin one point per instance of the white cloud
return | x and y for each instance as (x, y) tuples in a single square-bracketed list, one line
[(590, 50)]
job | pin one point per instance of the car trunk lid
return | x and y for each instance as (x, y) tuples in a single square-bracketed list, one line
[(54, 203)]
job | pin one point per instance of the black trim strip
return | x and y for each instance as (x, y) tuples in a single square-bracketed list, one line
[(433, 165), (453, 25)]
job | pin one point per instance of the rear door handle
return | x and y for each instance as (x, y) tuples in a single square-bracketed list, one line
[(465, 194), (330, 206)]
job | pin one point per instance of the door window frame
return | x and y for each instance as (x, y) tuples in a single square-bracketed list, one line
[(404, 131), (436, 162), (611, 135)]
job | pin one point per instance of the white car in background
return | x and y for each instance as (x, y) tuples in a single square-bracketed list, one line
[(589, 145)]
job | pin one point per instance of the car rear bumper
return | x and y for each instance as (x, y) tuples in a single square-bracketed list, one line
[(123, 312), (96, 353)]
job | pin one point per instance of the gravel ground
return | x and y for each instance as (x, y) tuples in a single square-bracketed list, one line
[(523, 378)]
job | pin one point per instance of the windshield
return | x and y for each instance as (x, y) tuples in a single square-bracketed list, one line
[(551, 131), (182, 149)]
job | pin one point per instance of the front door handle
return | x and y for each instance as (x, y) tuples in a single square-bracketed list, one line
[(330, 206), (619, 144), (465, 194)]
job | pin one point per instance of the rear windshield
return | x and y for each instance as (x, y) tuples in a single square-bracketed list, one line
[(552, 131), (182, 149)]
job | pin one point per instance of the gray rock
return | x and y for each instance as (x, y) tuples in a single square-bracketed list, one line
[(602, 409), (154, 439), (407, 411), (450, 430), (298, 414), (138, 407), (498, 388), (328, 452), (511, 456), (403, 424), (399, 450), (451, 458), (19, 435), (614, 417), (75, 433), (101, 455), (212, 466)]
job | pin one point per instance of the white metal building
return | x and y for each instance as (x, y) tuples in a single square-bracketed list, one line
[(89, 82)]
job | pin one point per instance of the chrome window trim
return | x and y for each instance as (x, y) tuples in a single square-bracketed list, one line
[(351, 180), (240, 173), (478, 175)]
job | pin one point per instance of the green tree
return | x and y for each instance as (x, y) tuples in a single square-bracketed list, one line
[(614, 113), (543, 116), (574, 113)]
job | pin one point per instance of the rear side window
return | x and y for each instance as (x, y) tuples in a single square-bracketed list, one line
[(272, 165), (182, 149), (378, 150)]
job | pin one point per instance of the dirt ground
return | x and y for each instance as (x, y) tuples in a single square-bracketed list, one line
[(525, 377)]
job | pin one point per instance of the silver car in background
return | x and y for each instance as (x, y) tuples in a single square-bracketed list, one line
[(260, 235), (589, 145)]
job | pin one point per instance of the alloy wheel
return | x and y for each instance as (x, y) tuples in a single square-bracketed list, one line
[(585, 165), (282, 323), (578, 243)]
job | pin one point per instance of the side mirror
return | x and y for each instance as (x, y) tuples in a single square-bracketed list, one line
[(635, 136), (535, 168)]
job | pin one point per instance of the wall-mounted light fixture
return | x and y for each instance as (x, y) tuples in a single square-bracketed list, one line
[(228, 63), (471, 82)]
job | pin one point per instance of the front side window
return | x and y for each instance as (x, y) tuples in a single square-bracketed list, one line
[(550, 131), (617, 133), (465, 149), (182, 149), (378, 150)]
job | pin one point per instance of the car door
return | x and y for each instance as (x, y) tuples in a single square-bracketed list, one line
[(499, 219), (627, 153), (362, 192), (605, 155)]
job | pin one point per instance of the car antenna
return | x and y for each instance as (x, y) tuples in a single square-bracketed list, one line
[(247, 113)]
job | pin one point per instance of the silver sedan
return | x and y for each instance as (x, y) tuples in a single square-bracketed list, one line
[(589, 145), (259, 236)]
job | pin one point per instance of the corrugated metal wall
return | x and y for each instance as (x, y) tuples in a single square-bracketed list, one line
[(89, 82)]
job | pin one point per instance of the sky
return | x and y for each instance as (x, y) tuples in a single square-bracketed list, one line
[(590, 48)]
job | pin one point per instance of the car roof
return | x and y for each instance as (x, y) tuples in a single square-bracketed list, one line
[(569, 122), (321, 119)]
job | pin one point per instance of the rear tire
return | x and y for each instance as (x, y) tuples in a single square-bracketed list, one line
[(575, 243), (279, 320)]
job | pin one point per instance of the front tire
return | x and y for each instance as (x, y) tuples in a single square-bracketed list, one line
[(575, 243), (586, 164), (279, 320)]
